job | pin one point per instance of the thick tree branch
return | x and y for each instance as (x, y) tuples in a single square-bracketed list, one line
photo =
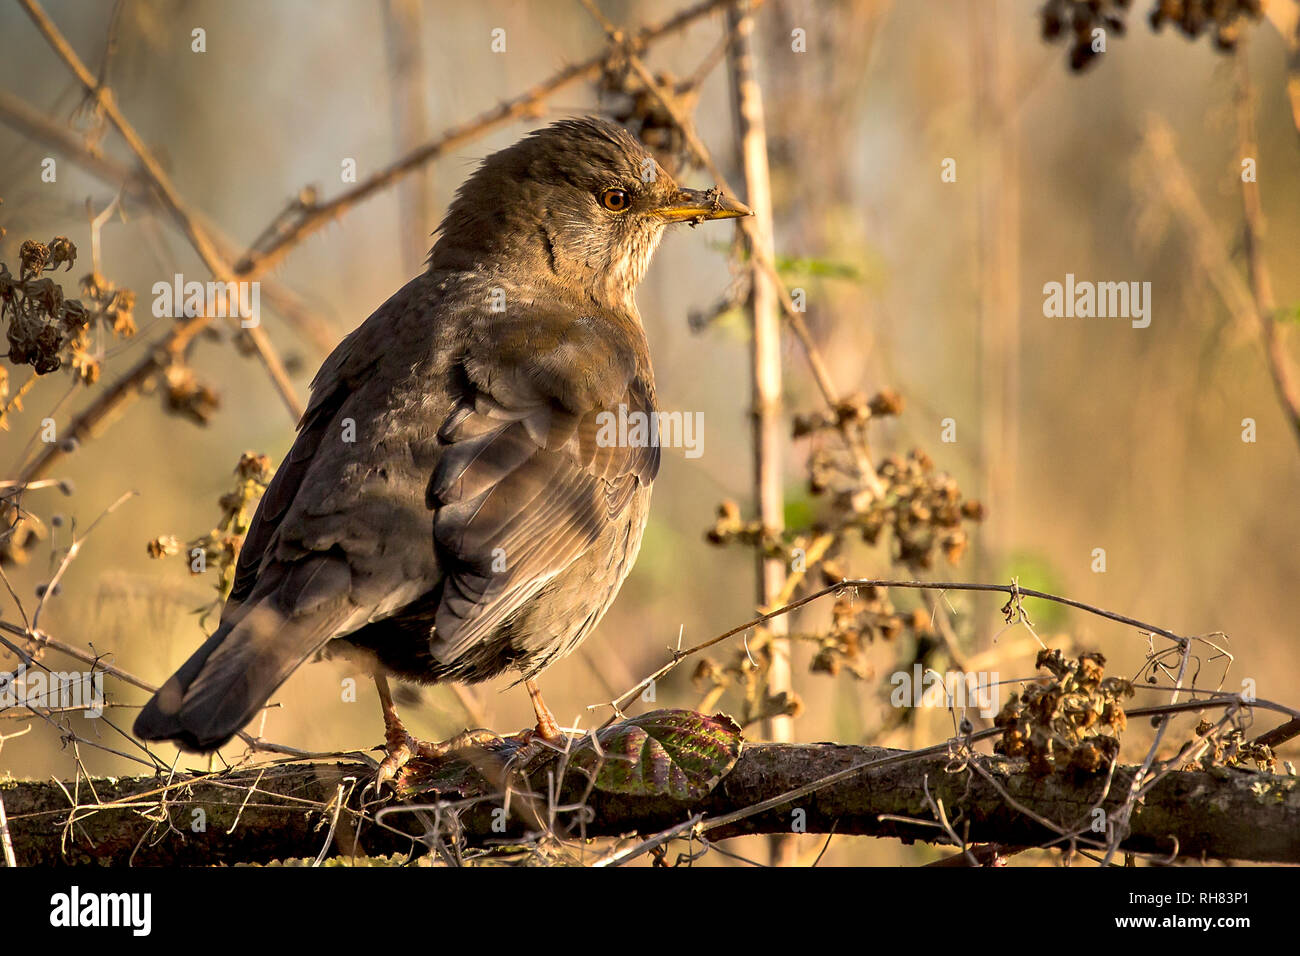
[(278, 812)]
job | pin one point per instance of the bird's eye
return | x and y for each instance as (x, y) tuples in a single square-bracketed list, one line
[(615, 199)]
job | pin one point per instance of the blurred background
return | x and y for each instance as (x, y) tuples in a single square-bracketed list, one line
[(1075, 433)]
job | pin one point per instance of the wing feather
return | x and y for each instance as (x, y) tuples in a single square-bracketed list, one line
[(525, 485)]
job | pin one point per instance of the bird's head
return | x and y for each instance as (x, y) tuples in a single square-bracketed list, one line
[(580, 203)]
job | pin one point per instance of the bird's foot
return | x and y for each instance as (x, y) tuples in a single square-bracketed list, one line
[(548, 728), (400, 748), (533, 741), (465, 740)]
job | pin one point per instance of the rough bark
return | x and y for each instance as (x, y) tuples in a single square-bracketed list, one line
[(258, 815)]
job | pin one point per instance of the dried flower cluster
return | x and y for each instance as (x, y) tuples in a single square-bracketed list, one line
[(855, 409), (730, 528), (923, 510), (45, 328), (919, 510), (42, 323), (1082, 18), (632, 105), (1071, 721), (859, 617), (746, 672), (186, 396), (1081, 21), (107, 307), (1231, 749), (220, 547), (1195, 17)]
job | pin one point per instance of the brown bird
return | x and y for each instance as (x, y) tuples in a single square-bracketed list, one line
[(451, 507)]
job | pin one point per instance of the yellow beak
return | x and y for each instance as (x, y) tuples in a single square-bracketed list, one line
[(699, 205)]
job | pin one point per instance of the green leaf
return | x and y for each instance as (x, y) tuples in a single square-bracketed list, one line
[(800, 510), (677, 753), (813, 268), (1035, 569), (809, 267)]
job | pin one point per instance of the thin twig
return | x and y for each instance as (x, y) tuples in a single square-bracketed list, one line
[(623, 857), (71, 554), (167, 193), (1248, 302), (850, 583), (1261, 282), (311, 218)]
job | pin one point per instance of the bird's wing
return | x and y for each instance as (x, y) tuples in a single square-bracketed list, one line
[(332, 539), (534, 469), (282, 490), (351, 365)]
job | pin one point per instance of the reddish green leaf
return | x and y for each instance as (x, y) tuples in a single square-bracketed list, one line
[(677, 753)]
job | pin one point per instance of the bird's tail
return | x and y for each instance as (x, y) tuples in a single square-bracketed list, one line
[(228, 680)]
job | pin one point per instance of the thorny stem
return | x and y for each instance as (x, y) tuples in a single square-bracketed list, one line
[(197, 235), (316, 216)]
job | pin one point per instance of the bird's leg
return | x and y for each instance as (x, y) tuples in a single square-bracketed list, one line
[(400, 746), (547, 727)]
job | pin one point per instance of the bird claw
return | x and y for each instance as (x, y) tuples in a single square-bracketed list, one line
[(400, 748), (465, 740), (533, 741)]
